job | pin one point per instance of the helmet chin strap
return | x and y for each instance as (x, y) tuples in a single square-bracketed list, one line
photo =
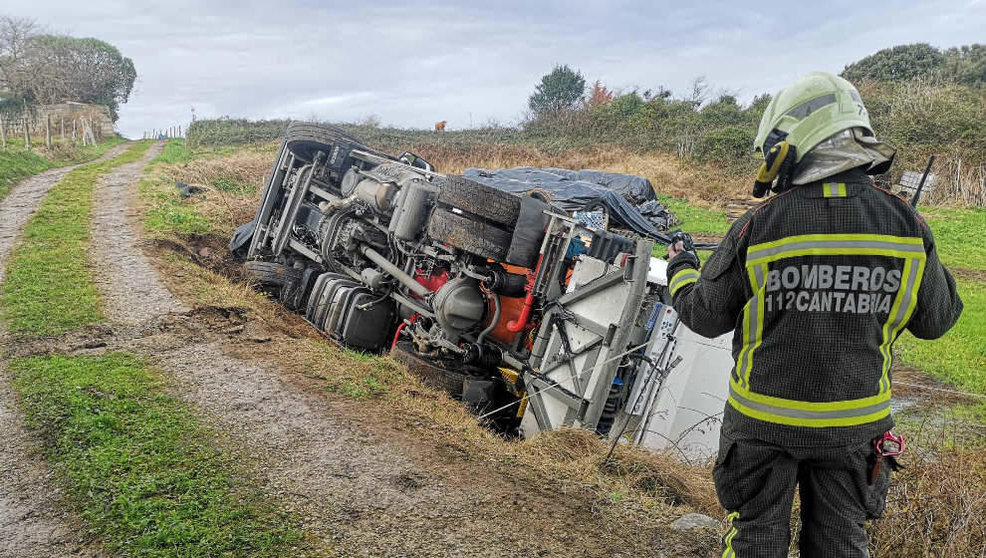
[(778, 164)]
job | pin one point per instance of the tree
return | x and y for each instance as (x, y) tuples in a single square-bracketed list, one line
[(15, 37), (560, 90), (41, 68), (599, 95), (899, 63), (966, 65)]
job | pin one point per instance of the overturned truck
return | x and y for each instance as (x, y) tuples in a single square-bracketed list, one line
[(498, 298)]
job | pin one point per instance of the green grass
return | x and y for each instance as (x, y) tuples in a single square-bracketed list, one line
[(959, 357), (697, 220), (175, 151), (168, 212), (49, 289), (143, 472), (17, 163), (960, 235)]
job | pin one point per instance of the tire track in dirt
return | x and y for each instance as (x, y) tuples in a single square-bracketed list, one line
[(362, 497), (32, 523), (137, 294)]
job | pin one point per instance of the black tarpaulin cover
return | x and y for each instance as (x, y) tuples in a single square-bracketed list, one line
[(629, 200)]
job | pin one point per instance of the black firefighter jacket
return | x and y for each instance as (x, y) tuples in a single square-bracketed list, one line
[(816, 284)]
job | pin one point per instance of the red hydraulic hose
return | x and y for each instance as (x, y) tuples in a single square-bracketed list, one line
[(400, 328), (520, 323), (397, 335)]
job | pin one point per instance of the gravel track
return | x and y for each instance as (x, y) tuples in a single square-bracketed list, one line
[(138, 294), (32, 523)]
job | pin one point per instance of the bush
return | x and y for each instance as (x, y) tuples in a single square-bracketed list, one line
[(227, 131), (731, 144)]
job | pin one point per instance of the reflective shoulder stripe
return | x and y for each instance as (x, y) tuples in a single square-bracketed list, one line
[(806, 413), (684, 277), (834, 189), (835, 244)]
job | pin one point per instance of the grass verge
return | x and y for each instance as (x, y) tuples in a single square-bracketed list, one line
[(143, 472), (960, 235), (695, 219), (959, 357), (49, 289), (17, 163)]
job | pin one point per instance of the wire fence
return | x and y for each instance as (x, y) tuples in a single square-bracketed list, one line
[(31, 126)]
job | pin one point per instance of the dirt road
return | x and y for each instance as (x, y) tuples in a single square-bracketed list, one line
[(31, 521)]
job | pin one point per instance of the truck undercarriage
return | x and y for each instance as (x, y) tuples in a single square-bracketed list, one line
[(504, 301)]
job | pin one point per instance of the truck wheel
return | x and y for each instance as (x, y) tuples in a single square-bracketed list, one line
[(479, 200), (474, 237), (304, 140), (431, 371), (272, 277)]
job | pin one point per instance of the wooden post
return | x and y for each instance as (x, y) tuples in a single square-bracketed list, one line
[(74, 122), (48, 132), (92, 136), (3, 133), (63, 128), (27, 134)]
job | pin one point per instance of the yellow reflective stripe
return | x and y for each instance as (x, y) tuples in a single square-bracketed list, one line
[(810, 422), (813, 414), (753, 318), (809, 406), (834, 190), (845, 237), (900, 313), (684, 277), (728, 539)]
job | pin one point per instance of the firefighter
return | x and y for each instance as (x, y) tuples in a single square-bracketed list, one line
[(816, 283)]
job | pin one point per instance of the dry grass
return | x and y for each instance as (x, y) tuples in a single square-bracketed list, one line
[(700, 184), (937, 505)]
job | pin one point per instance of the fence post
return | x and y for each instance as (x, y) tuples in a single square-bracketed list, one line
[(3, 132), (48, 132), (92, 136), (62, 120), (27, 134)]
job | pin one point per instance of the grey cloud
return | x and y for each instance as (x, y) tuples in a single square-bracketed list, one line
[(413, 63)]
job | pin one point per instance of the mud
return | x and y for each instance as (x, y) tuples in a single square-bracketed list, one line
[(969, 274), (32, 520)]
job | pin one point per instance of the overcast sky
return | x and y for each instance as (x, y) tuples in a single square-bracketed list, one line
[(413, 63)]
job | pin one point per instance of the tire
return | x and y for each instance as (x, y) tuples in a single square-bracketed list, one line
[(474, 237), (482, 201), (431, 371), (302, 290), (271, 274), (304, 140), (525, 246)]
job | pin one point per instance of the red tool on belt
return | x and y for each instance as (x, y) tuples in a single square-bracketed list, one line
[(886, 446)]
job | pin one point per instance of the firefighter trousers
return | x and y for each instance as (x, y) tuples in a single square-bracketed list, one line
[(755, 482)]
